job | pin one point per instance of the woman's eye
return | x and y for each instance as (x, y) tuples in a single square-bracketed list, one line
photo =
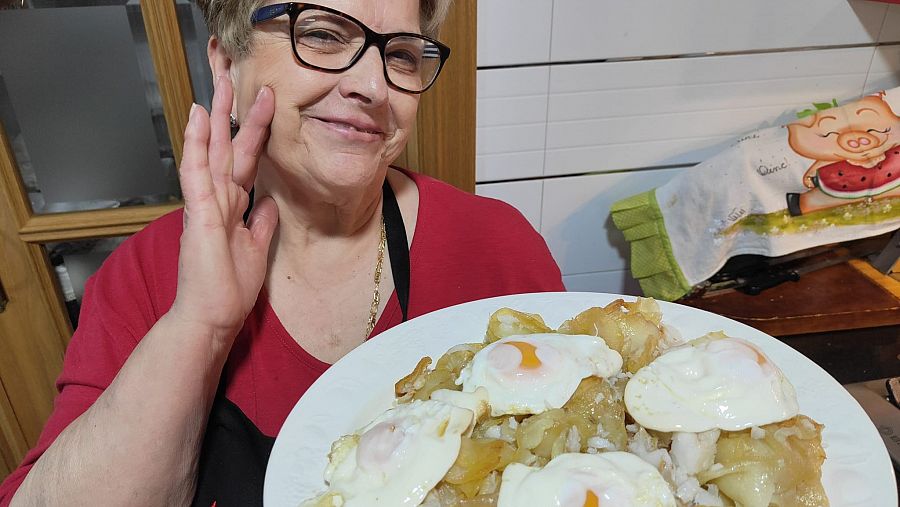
[(320, 37), (404, 58)]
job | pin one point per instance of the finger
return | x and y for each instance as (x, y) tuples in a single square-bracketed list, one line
[(220, 153), (251, 137), (196, 182), (262, 222)]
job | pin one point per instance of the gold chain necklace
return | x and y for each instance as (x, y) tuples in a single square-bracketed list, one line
[(376, 296)]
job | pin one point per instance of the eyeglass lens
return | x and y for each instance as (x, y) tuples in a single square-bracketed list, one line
[(327, 40)]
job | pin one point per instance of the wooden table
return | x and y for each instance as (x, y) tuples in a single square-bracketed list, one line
[(845, 317)]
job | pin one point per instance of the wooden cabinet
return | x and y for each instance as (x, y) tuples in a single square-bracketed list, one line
[(34, 325)]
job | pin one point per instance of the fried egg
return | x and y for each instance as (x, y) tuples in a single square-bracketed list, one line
[(711, 382), (610, 479), (530, 374), (476, 401), (399, 457)]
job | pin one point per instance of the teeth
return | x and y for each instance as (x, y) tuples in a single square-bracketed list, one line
[(351, 127)]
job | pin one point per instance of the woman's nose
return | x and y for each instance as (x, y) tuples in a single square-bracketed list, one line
[(365, 81)]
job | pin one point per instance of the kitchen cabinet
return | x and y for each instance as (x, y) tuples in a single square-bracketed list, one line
[(94, 98)]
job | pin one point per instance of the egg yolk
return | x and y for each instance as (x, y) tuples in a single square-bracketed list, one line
[(530, 359), (378, 444), (591, 500), (760, 358)]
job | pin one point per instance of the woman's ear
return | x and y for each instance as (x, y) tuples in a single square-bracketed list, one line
[(219, 60), (220, 64)]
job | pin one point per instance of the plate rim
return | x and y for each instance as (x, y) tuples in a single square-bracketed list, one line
[(294, 420)]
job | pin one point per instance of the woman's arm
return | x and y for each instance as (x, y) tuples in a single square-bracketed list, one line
[(139, 443)]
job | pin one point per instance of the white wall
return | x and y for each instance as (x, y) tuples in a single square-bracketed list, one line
[(584, 102)]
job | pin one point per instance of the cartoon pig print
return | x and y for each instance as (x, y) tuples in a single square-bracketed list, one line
[(856, 149)]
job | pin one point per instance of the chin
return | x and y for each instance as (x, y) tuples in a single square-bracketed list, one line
[(348, 171)]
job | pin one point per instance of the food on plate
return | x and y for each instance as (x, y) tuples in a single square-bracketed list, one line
[(610, 409), (421, 382), (631, 329), (611, 479), (712, 382), (398, 457), (508, 322), (530, 374), (776, 464)]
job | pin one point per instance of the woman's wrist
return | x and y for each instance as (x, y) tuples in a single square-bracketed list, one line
[(195, 331)]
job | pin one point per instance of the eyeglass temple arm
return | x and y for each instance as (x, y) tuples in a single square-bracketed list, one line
[(269, 12)]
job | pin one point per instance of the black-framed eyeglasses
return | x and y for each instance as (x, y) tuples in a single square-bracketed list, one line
[(329, 40)]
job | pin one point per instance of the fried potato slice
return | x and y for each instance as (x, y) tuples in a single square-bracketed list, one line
[(551, 433), (783, 467), (631, 329), (477, 459), (406, 387), (602, 407), (648, 307), (508, 322), (448, 495), (421, 382)]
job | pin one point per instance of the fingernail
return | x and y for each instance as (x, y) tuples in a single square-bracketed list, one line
[(260, 93), (193, 110)]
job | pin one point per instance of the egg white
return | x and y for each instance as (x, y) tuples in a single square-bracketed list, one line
[(610, 479), (559, 363), (708, 383), (399, 457)]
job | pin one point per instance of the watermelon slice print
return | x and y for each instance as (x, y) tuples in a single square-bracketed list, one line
[(848, 181)]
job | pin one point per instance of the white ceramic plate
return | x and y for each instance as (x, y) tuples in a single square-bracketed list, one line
[(857, 471)]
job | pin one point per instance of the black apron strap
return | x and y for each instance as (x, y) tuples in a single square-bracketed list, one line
[(234, 452), (398, 247)]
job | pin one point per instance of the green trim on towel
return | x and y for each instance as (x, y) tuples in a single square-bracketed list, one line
[(652, 261)]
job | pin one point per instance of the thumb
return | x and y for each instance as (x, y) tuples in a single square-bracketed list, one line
[(262, 221)]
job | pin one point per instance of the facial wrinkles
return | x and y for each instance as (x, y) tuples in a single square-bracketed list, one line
[(302, 94)]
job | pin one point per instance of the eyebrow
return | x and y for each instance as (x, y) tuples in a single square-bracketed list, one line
[(865, 109), (825, 118)]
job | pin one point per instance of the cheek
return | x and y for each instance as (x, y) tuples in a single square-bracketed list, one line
[(272, 64), (404, 107)]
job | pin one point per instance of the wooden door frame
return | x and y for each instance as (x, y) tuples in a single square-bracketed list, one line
[(443, 142), (30, 353)]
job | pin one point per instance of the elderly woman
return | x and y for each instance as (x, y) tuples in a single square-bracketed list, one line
[(201, 332)]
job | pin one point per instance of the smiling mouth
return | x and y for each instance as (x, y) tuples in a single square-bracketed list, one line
[(348, 126)]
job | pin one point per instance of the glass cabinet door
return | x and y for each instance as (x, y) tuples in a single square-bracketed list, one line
[(94, 97), (81, 106)]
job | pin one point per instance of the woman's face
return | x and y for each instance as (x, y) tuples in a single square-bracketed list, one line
[(330, 130)]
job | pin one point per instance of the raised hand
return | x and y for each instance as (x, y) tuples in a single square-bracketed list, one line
[(222, 263)]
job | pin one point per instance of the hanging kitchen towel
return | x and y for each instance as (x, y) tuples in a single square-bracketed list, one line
[(833, 175)]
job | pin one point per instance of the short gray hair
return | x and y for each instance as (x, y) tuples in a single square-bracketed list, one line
[(229, 20)]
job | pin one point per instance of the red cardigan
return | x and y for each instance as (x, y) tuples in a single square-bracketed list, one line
[(464, 248)]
